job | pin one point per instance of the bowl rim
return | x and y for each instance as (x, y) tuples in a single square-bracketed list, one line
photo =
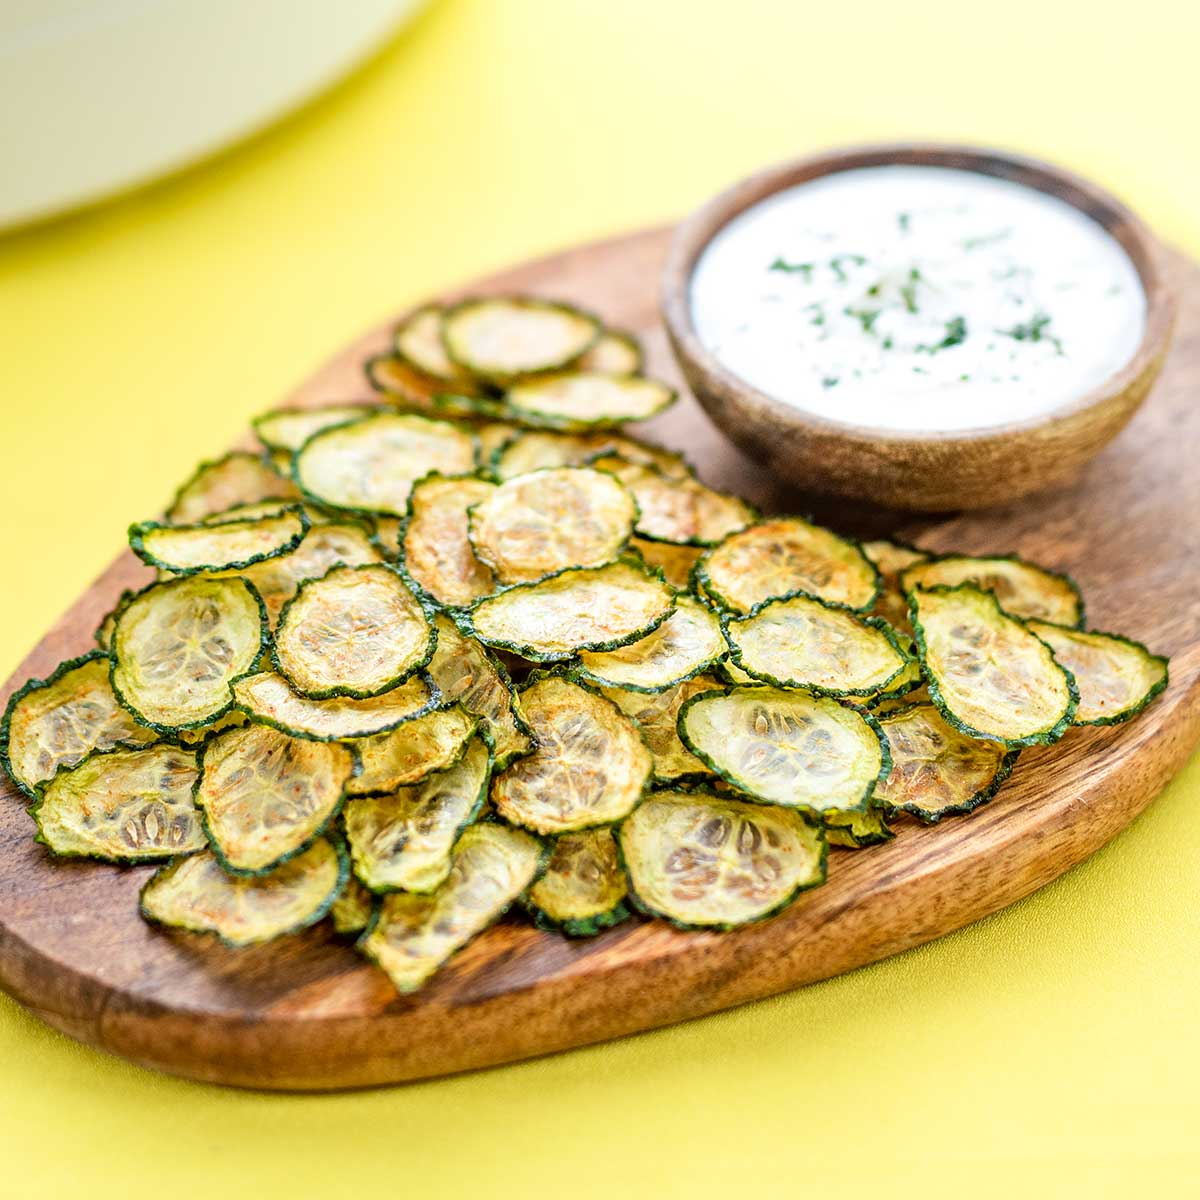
[(692, 235)]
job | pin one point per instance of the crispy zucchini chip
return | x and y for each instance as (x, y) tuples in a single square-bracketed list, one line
[(315, 514), (791, 748), (238, 478), (122, 806), (108, 622), (371, 465), (988, 675), (656, 714), (196, 894), (287, 429), (503, 338), (783, 556), (596, 608), (387, 534), (588, 767), (179, 645), (227, 546), (1116, 677), (1022, 589), (267, 699), (266, 796), (902, 685), (687, 642), (357, 631), (682, 511), (534, 525), (583, 888), (467, 674), (351, 911), (414, 935), (403, 840), (492, 435), (58, 721), (857, 830), (704, 861), (415, 750), (582, 400), (937, 771), (534, 449), (891, 560), (803, 642), (674, 561), (418, 342), (436, 551), (613, 353)]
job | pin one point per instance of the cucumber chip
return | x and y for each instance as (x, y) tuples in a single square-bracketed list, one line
[(656, 714), (581, 400), (899, 686), (418, 342), (227, 546), (1022, 589), (197, 895), (857, 830), (266, 796), (674, 561), (588, 766), (356, 631), (803, 642), (413, 935), (989, 676), (583, 888), (613, 353), (403, 840), (783, 556), (434, 545), (351, 911), (412, 752), (179, 645), (536, 448), (536, 524), (1116, 677), (791, 748), (108, 622), (502, 338), (598, 608), (370, 465), (704, 861), (891, 560), (238, 478), (123, 806), (687, 642), (58, 721), (287, 429), (491, 436)]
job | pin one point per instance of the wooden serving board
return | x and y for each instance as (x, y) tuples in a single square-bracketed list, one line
[(308, 1013)]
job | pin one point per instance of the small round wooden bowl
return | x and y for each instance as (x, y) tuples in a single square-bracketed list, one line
[(930, 470)]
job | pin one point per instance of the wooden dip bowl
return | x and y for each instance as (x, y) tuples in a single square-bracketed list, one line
[(931, 470)]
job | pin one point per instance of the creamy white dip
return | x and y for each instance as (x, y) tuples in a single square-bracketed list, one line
[(918, 298)]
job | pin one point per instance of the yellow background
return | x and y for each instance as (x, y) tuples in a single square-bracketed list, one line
[(1049, 1051)]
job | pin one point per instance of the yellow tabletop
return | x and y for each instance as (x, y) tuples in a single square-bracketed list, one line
[(1048, 1051)]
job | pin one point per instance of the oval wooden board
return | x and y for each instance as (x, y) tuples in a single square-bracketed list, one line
[(307, 1013)]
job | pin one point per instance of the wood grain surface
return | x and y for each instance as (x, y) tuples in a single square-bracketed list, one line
[(308, 1013)]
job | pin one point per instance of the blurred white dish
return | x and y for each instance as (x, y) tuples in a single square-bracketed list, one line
[(99, 95)]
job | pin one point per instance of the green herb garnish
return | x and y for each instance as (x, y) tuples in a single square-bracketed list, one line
[(1033, 330), (805, 268), (908, 291), (866, 317), (956, 334), (835, 264)]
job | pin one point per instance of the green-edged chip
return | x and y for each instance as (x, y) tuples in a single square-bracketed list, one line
[(705, 861), (434, 546), (582, 400), (412, 752), (418, 342), (857, 830), (583, 888), (891, 560), (674, 561), (656, 714), (287, 429), (227, 546), (533, 449), (613, 353), (351, 911), (215, 487)]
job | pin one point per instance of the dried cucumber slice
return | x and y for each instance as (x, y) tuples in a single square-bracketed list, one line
[(434, 546), (467, 674), (536, 448), (581, 400), (1116, 677), (371, 465), (179, 645), (403, 840), (108, 622), (196, 894), (787, 747), (588, 767), (656, 714), (583, 888), (891, 560), (783, 556), (227, 546), (491, 436), (904, 684), (412, 936), (122, 806), (681, 511), (271, 508), (503, 338), (237, 478), (387, 534), (267, 699), (418, 342), (988, 675), (266, 797), (287, 429), (674, 561), (357, 631), (857, 830), (704, 861), (688, 642), (803, 642), (937, 771), (351, 911), (1023, 589), (596, 608), (537, 524), (615, 352), (58, 721), (412, 752)]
